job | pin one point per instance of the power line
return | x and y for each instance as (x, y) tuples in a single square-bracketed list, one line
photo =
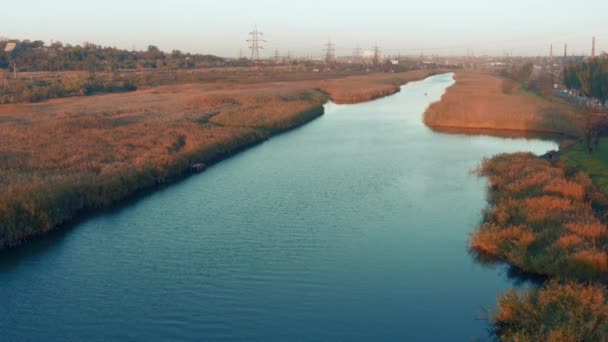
[(256, 44)]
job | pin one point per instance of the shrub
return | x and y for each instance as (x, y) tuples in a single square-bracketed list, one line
[(557, 312), (541, 220)]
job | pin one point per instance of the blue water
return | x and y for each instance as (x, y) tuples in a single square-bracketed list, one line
[(351, 228)]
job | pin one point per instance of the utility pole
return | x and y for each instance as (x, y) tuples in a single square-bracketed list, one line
[(329, 52), (256, 44), (593, 47), (357, 54), (376, 57)]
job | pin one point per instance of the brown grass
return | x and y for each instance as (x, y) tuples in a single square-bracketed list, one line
[(62, 156), (484, 101), (356, 89), (542, 220), (556, 312)]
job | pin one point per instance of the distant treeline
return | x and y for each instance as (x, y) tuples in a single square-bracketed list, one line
[(36, 90), (34, 71), (589, 78), (539, 84), (66, 70), (36, 56), (521, 73)]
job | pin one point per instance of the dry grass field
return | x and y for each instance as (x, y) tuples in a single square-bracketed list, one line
[(63, 156), (485, 101), (355, 89)]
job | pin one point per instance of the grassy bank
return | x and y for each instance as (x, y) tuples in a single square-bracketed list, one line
[(543, 219), (486, 101), (62, 157), (595, 164), (546, 218), (357, 89)]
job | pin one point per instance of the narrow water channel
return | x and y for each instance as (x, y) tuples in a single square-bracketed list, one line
[(353, 227)]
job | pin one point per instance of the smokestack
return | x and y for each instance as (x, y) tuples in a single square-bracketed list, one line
[(565, 50), (551, 51), (593, 47)]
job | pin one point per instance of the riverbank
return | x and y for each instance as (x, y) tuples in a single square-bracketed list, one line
[(486, 101), (543, 219), (547, 216), (576, 155), (67, 156), (346, 199)]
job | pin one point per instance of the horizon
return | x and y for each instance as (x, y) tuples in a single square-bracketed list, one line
[(517, 27)]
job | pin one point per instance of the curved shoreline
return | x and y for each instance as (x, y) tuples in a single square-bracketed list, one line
[(492, 130), (546, 215)]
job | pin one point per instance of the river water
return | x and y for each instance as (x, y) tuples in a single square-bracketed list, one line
[(353, 227)]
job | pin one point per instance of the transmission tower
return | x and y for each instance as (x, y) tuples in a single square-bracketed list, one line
[(329, 52), (376, 57), (256, 44)]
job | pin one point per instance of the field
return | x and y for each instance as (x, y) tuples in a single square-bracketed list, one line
[(63, 156), (486, 101)]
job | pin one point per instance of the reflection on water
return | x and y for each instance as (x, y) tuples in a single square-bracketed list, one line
[(507, 134), (353, 227)]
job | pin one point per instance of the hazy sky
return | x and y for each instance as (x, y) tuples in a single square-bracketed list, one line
[(400, 26)]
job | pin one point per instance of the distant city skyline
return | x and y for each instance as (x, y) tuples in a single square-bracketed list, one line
[(440, 27)]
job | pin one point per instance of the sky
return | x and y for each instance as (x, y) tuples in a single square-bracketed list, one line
[(221, 27)]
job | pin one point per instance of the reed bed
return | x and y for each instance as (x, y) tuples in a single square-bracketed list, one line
[(485, 101), (64, 156)]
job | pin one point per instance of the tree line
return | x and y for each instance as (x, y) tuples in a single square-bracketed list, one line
[(538, 83), (86, 69), (589, 78), (37, 56)]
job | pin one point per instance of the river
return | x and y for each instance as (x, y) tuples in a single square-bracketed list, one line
[(352, 227)]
